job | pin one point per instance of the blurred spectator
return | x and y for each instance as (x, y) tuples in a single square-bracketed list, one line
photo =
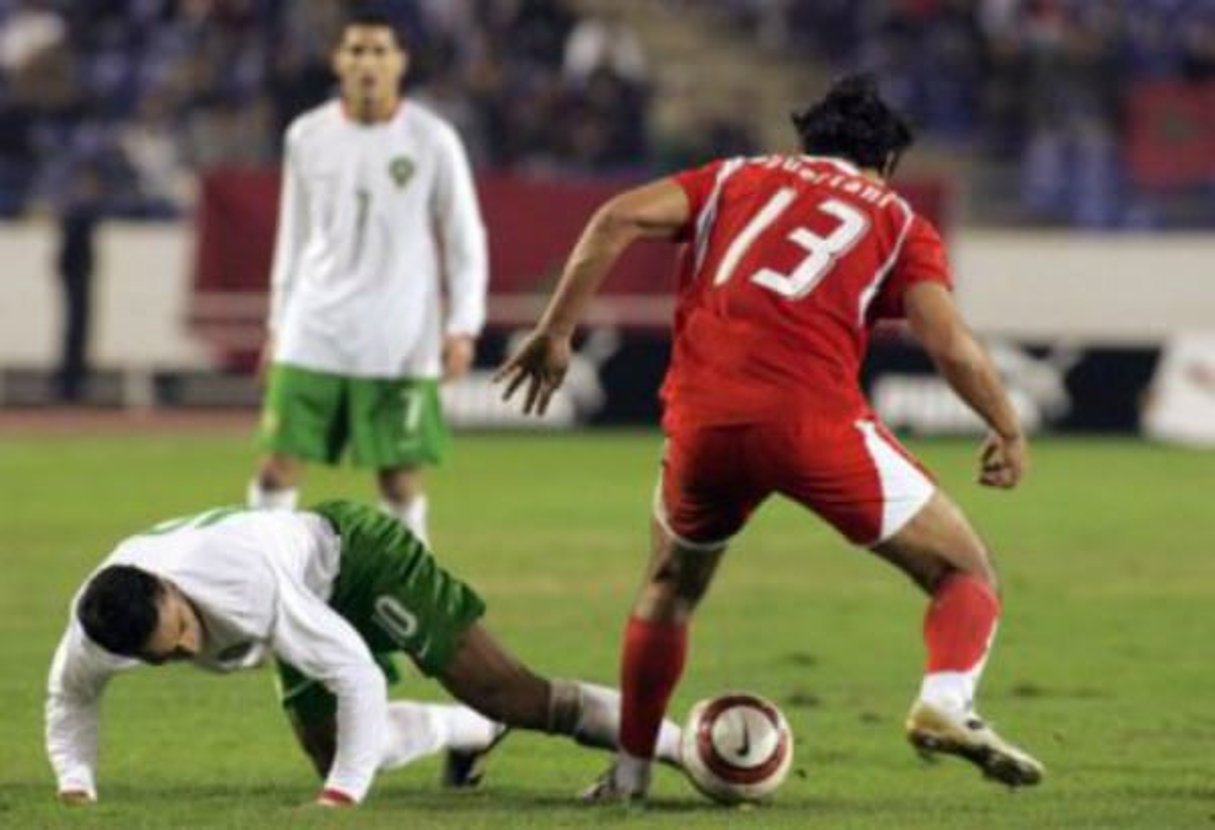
[(604, 124), (79, 214), (537, 31), (1075, 81), (165, 88), (712, 134), (29, 32), (1044, 83), (604, 42), (151, 144)]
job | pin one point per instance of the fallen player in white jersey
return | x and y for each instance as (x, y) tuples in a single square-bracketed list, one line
[(330, 593)]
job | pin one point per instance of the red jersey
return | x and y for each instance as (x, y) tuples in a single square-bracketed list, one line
[(790, 260)]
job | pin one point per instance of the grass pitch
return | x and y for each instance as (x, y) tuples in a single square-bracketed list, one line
[(1103, 667)]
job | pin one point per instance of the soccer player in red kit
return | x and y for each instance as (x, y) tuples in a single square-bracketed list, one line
[(789, 261)]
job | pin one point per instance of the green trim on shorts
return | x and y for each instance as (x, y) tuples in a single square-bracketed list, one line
[(394, 593), (381, 422)]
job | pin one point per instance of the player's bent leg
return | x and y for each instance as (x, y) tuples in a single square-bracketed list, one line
[(677, 577), (402, 497), (654, 653), (488, 678), (275, 486), (943, 554), (937, 541)]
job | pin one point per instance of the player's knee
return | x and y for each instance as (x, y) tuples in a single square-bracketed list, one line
[(979, 566), (278, 472), (400, 486), (668, 601)]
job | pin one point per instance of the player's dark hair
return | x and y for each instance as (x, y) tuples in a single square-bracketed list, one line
[(120, 609), (370, 16), (853, 122)]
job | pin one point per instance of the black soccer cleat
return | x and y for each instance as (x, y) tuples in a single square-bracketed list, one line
[(464, 769)]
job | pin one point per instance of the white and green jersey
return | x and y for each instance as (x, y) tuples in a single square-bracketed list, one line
[(380, 249), (260, 581)]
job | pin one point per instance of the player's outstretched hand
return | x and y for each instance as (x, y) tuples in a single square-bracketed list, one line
[(541, 363), (76, 798), (1003, 461)]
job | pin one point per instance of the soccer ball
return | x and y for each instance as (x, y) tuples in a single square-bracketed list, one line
[(737, 747)]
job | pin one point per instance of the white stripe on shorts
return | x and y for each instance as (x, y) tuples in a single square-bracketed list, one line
[(905, 490), (661, 516)]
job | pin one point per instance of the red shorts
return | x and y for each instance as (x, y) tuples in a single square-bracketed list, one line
[(854, 475)]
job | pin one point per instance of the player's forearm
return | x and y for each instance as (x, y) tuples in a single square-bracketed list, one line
[(288, 242), (467, 280), (604, 240), (361, 725), (968, 370), (71, 744)]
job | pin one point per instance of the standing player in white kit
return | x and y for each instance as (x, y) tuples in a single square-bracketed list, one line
[(378, 287)]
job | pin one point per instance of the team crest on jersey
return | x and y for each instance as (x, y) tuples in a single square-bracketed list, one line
[(401, 169)]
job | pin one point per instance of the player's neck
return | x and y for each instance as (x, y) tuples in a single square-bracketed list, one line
[(371, 111)]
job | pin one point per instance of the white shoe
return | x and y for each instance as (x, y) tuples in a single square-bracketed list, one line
[(934, 729)]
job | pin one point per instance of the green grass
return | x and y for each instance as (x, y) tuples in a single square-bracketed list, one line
[(1104, 665)]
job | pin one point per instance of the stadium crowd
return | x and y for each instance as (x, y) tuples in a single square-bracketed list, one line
[(1045, 84), (142, 94), (131, 97)]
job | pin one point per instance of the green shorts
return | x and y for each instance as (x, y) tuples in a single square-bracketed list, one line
[(396, 596), (385, 422)]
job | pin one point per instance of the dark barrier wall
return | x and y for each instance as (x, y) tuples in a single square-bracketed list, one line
[(1055, 389)]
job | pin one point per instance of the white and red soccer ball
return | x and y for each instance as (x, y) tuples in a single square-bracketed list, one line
[(737, 747)]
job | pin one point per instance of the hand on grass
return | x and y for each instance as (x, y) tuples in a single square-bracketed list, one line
[(76, 798)]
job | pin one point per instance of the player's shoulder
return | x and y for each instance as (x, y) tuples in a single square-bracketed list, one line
[(424, 122), (314, 122)]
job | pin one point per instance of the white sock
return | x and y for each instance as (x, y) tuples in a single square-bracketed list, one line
[(632, 773), (416, 730), (952, 690), (598, 724), (468, 729), (263, 499), (412, 514), (955, 690)]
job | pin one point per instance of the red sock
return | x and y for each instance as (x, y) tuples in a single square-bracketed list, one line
[(959, 623), (650, 667)]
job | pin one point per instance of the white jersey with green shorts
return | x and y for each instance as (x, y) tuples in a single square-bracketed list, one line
[(285, 584), (380, 253)]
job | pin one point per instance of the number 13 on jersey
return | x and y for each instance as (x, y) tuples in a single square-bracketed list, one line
[(821, 251)]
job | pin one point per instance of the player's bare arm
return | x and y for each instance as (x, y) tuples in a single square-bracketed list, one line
[(966, 366), (658, 210)]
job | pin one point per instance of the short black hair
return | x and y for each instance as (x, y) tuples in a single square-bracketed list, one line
[(853, 122), (371, 16), (120, 609)]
